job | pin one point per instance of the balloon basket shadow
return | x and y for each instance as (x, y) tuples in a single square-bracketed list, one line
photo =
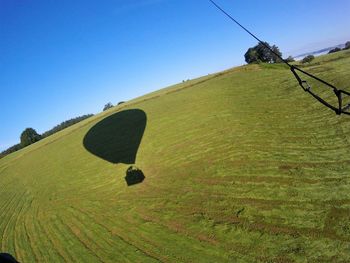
[(134, 176)]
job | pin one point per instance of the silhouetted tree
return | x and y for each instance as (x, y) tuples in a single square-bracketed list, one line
[(334, 50), (55, 129), (262, 53), (276, 59), (107, 106), (29, 136), (65, 124), (290, 59), (12, 149), (347, 45), (308, 59), (251, 56)]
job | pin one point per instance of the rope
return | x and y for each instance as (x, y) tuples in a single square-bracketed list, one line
[(302, 83)]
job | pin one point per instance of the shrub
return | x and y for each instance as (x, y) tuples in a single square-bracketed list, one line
[(308, 59), (29, 136), (262, 53), (290, 59), (347, 45), (107, 106), (334, 50)]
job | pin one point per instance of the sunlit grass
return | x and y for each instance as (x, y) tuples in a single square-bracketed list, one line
[(239, 166)]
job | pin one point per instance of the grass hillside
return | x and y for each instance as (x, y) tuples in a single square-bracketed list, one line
[(239, 166)]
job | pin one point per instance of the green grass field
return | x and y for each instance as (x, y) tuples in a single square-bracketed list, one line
[(239, 166)]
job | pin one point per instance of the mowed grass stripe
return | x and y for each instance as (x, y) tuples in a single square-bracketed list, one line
[(32, 253), (9, 219), (204, 241), (22, 242), (112, 244), (142, 235), (62, 237), (7, 201), (173, 227), (65, 237), (44, 244), (93, 250)]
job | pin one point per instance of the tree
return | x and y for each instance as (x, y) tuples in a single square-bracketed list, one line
[(64, 125), (347, 45), (308, 59), (334, 50), (290, 59), (251, 56), (275, 58), (262, 53), (107, 106), (29, 136), (12, 149)]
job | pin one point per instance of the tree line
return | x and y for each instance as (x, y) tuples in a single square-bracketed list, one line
[(30, 135), (262, 53), (65, 124), (337, 49)]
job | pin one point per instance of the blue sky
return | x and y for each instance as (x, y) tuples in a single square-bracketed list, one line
[(62, 59)]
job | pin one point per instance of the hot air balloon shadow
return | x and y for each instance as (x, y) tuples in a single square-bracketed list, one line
[(117, 138), (134, 176), (7, 258)]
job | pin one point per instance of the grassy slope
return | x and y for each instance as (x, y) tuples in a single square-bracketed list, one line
[(239, 166)]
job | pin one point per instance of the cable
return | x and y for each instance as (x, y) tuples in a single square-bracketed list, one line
[(250, 33), (302, 83)]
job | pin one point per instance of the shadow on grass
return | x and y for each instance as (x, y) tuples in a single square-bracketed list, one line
[(117, 138), (7, 258), (134, 176)]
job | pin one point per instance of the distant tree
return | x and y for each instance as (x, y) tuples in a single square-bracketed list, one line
[(262, 53), (107, 106), (276, 59), (29, 136), (55, 129), (290, 59), (334, 50), (12, 149), (251, 56), (308, 59), (65, 124), (347, 45)]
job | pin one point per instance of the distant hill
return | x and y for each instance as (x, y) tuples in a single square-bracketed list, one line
[(237, 166), (319, 52)]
